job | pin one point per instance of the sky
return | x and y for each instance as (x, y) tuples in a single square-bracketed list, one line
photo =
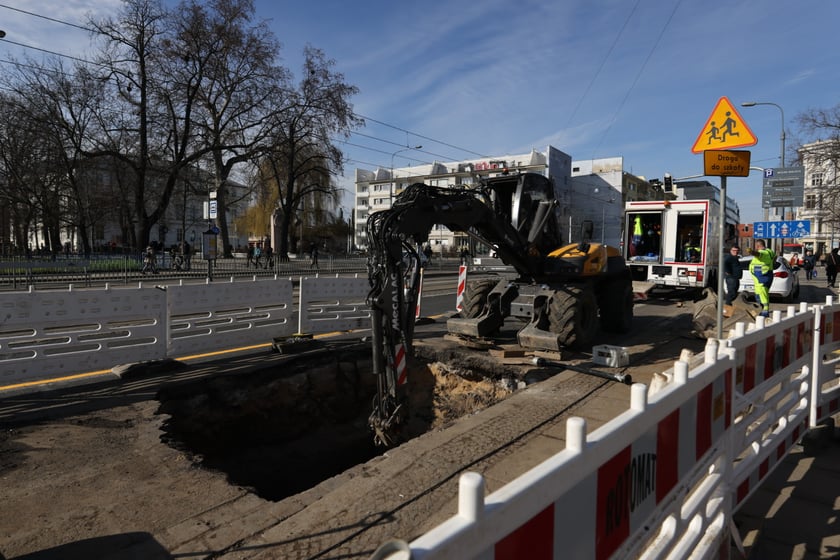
[(594, 78)]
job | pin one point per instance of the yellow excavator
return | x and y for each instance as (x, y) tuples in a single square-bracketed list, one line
[(561, 293)]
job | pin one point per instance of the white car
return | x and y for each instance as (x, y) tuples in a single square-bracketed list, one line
[(785, 279)]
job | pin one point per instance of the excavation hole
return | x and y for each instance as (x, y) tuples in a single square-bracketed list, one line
[(284, 429)]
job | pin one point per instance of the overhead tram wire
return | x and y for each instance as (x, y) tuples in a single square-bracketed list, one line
[(71, 57), (397, 144), (638, 74), (33, 14), (454, 147), (47, 51), (603, 63)]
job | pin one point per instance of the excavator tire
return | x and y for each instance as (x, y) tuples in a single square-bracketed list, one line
[(616, 307), (475, 296), (573, 316)]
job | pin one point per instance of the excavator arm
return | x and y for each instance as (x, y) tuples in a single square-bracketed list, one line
[(512, 216)]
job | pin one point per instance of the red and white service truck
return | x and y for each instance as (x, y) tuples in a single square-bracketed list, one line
[(676, 242)]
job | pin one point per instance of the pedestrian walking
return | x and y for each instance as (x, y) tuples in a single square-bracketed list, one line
[(313, 255), (149, 261), (761, 268), (187, 252), (810, 265), (269, 257), (831, 262), (732, 274)]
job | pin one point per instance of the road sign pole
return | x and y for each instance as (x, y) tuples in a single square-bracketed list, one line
[(721, 253), (782, 242)]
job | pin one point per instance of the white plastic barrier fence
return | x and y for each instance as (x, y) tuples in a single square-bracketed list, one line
[(222, 315), (46, 334), (663, 479), (659, 464), (825, 391), (770, 409), (330, 304)]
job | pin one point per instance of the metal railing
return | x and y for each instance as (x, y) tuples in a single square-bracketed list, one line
[(50, 272)]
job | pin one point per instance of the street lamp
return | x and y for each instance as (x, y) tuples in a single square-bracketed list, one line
[(597, 190), (781, 138), (391, 187), (603, 218)]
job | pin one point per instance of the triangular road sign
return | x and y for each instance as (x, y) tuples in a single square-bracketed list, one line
[(725, 129)]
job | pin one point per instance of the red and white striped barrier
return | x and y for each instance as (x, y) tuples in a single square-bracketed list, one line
[(595, 497), (400, 366), (462, 284), (663, 479)]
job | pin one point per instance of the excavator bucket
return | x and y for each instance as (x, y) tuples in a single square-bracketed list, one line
[(704, 319)]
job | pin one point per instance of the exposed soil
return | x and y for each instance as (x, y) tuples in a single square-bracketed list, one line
[(282, 430), (272, 432)]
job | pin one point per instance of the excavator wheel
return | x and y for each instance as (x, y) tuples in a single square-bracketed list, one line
[(475, 296), (616, 307), (573, 316)]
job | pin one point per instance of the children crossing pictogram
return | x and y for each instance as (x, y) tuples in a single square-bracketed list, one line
[(724, 129)]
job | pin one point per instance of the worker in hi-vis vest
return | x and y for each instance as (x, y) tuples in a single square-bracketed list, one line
[(761, 268), (637, 235)]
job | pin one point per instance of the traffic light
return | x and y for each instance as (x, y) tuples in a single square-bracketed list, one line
[(669, 182)]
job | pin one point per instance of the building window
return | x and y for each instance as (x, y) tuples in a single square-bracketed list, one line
[(817, 179), (811, 201)]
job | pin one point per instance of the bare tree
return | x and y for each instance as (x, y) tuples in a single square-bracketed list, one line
[(241, 87), (822, 154), (62, 103), (153, 135), (23, 162), (303, 159)]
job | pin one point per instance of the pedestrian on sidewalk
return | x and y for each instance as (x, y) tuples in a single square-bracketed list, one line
[(831, 262), (810, 265), (313, 255), (732, 273), (149, 261)]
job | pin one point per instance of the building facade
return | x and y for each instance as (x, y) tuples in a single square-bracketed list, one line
[(821, 196), (593, 190)]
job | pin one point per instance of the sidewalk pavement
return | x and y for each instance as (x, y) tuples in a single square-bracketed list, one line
[(795, 513)]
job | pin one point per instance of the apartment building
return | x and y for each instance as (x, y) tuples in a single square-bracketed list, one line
[(594, 190)]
